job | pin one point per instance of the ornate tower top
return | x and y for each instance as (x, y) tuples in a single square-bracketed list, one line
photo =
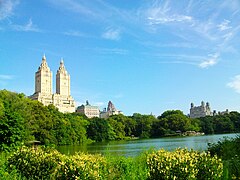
[(111, 107), (192, 105), (44, 64), (61, 68), (87, 103)]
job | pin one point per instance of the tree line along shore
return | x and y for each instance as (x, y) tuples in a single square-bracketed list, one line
[(24, 120)]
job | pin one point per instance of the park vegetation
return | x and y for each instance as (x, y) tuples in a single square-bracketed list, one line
[(46, 163), (23, 120)]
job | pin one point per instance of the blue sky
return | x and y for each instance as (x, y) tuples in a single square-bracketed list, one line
[(145, 56)]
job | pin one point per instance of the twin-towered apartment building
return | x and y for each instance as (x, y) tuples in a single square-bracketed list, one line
[(62, 99)]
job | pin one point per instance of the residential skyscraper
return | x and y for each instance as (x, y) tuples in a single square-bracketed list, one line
[(62, 99)]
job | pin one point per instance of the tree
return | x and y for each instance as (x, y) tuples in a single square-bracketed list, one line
[(12, 130), (235, 118), (100, 130), (143, 125), (223, 124), (175, 120), (206, 124), (118, 126)]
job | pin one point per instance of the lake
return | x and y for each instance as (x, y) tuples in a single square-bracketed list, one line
[(135, 147)]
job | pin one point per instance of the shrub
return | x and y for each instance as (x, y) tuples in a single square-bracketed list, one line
[(183, 164), (4, 174), (209, 167), (45, 163), (228, 150), (35, 163), (81, 166)]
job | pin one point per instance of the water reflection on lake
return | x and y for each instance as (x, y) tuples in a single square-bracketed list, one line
[(135, 147)]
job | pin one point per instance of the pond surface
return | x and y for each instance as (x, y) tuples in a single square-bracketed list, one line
[(135, 147)]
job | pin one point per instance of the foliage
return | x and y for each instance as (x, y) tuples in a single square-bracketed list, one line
[(173, 121), (183, 164), (119, 167), (35, 163), (23, 120), (226, 123), (100, 130), (81, 166), (45, 163), (117, 123), (228, 150), (5, 174), (143, 125), (12, 130)]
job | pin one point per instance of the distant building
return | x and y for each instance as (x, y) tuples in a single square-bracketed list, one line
[(43, 87), (88, 110), (111, 110), (220, 112), (200, 111), (223, 112)]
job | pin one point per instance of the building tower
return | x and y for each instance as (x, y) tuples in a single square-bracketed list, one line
[(43, 84), (43, 78), (111, 107), (111, 110), (62, 81)]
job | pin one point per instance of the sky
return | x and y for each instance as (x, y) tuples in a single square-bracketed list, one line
[(146, 56)]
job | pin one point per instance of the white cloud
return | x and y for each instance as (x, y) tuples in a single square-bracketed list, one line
[(6, 8), (112, 34), (5, 77), (224, 25), (74, 33), (161, 14), (111, 51), (235, 83), (210, 61), (167, 19), (74, 6), (27, 27)]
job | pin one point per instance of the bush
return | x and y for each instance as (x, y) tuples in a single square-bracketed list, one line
[(81, 166), (228, 150), (46, 163), (35, 163), (4, 174), (183, 164)]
